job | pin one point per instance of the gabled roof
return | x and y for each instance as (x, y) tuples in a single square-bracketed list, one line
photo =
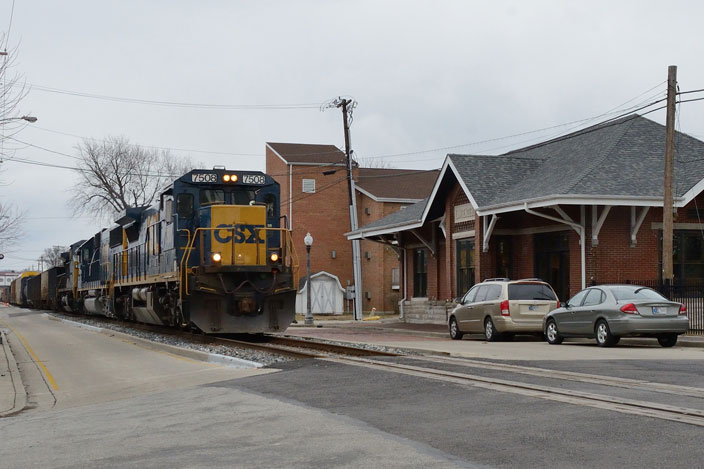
[(306, 153), (407, 217), (396, 185), (616, 163)]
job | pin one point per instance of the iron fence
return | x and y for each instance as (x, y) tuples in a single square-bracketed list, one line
[(691, 294)]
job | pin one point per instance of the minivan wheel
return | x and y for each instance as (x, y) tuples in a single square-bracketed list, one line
[(552, 334), (490, 331), (455, 333), (667, 340), (603, 334)]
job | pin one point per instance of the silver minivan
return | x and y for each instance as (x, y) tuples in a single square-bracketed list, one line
[(503, 307)]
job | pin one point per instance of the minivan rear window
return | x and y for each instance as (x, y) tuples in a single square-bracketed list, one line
[(636, 293), (530, 291)]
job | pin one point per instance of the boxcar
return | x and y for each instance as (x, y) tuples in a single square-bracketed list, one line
[(48, 287)]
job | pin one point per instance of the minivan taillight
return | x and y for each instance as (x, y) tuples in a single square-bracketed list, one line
[(683, 310), (630, 308), (505, 311)]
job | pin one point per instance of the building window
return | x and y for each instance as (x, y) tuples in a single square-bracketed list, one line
[(465, 265), (420, 273), (309, 185), (395, 278)]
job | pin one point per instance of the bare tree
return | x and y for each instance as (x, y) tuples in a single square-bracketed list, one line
[(371, 162), (11, 220), (12, 90), (51, 257), (115, 174)]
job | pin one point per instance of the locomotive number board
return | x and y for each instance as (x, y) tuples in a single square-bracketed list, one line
[(253, 179), (204, 177)]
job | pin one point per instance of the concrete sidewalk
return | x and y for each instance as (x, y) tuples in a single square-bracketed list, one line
[(13, 397), (441, 330)]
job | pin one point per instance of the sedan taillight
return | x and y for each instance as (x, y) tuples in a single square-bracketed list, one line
[(683, 309), (630, 308), (505, 311)]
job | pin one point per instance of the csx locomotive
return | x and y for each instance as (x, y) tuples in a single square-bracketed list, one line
[(211, 254)]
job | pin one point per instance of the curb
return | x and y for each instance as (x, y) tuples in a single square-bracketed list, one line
[(20, 392), (214, 358)]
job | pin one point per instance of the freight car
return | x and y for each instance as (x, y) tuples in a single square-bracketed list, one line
[(48, 287), (18, 288), (212, 254)]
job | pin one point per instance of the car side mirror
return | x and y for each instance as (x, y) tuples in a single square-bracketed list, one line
[(564, 304)]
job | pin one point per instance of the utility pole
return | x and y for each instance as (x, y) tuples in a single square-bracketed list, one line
[(667, 209), (356, 259)]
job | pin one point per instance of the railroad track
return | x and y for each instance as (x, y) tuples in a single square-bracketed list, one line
[(287, 346), (569, 396)]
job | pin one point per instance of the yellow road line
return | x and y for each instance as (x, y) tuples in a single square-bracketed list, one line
[(49, 378)]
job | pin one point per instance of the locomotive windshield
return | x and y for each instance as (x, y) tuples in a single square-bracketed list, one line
[(211, 197)]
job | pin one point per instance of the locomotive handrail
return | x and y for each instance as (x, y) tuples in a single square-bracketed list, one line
[(289, 242), (180, 270)]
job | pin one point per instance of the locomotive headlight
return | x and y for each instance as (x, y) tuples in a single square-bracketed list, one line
[(233, 178), (274, 257), (217, 257), (226, 178)]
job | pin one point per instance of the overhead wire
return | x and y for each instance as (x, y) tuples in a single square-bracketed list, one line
[(181, 104), (632, 109)]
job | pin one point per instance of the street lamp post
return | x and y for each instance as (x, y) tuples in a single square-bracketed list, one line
[(30, 119), (308, 240)]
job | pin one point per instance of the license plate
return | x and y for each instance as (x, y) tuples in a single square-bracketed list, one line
[(657, 310), (532, 308)]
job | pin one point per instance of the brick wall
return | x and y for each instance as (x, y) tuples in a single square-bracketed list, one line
[(324, 214)]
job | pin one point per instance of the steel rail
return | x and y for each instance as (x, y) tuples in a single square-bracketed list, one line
[(586, 399), (626, 383)]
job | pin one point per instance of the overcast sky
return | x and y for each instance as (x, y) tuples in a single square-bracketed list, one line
[(426, 76)]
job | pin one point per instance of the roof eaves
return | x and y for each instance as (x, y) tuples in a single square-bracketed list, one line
[(575, 199), (276, 153), (380, 230)]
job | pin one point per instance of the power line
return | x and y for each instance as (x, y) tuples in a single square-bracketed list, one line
[(433, 150), (155, 147), (151, 102)]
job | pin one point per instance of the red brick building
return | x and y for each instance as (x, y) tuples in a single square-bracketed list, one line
[(585, 208), (315, 199)]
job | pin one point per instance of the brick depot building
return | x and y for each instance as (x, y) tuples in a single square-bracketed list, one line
[(582, 209), (315, 199)]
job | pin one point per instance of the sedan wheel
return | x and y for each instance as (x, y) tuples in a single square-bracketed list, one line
[(667, 340), (455, 333), (490, 331), (551, 333), (603, 334)]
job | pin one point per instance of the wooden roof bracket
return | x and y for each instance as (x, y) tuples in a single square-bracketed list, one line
[(636, 222), (575, 226), (598, 222), (425, 243), (487, 230)]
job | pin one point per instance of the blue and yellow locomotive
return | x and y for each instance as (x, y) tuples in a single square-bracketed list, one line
[(212, 254)]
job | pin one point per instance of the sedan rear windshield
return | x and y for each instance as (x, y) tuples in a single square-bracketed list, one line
[(636, 293), (530, 291)]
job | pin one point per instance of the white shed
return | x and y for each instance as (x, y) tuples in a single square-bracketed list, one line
[(326, 295)]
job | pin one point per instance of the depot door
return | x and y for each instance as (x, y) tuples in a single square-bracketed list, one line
[(552, 261)]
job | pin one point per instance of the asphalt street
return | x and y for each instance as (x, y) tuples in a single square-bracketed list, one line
[(119, 403)]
